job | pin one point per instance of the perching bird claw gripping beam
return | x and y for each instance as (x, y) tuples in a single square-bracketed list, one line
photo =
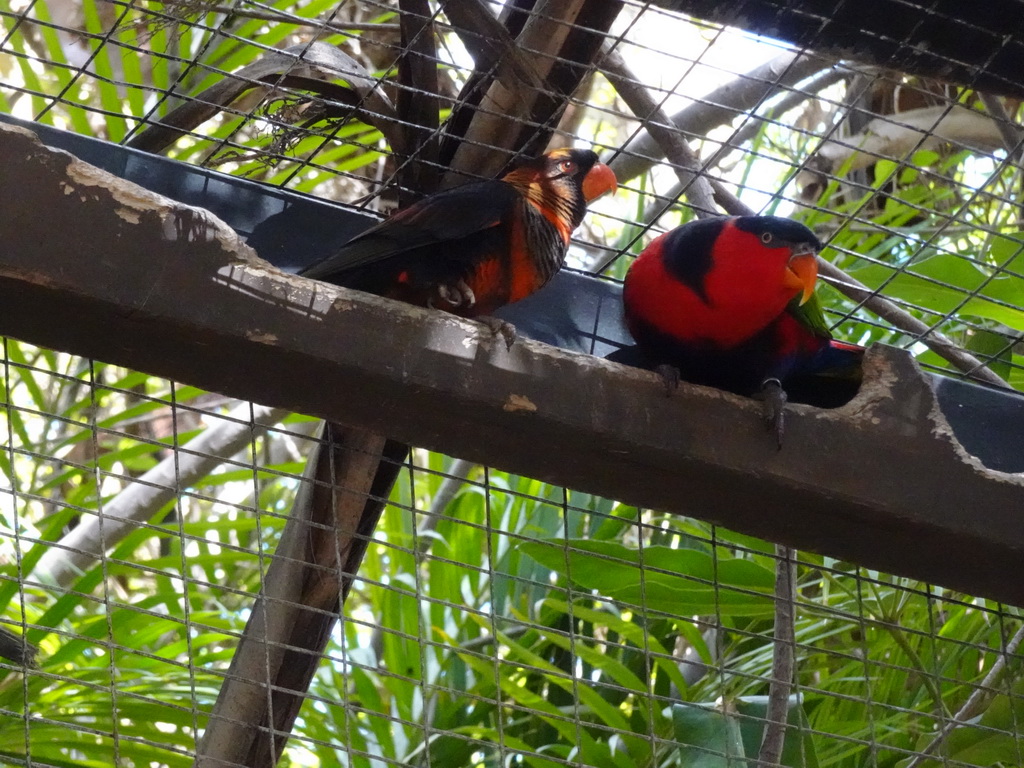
[(97, 266)]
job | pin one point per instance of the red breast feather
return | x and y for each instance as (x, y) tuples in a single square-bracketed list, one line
[(708, 282)]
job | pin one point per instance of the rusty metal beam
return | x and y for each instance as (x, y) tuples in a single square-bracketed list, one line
[(98, 266)]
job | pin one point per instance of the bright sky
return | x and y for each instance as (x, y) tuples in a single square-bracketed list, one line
[(666, 49)]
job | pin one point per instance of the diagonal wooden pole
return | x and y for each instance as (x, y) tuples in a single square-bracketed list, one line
[(288, 631), (343, 492)]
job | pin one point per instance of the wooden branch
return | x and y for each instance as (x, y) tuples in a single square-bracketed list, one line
[(897, 136), (976, 703), (1008, 128), (671, 141), (417, 103), (937, 342), (753, 123), (490, 44), (783, 659), (147, 494), (742, 95), (311, 571), (561, 38)]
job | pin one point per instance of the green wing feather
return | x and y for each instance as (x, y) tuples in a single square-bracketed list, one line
[(810, 315)]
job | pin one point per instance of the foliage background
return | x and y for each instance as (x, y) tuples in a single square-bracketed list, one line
[(498, 620)]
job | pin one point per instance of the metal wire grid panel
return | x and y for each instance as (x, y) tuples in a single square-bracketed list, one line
[(494, 620)]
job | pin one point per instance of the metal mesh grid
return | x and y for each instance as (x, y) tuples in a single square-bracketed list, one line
[(497, 619)]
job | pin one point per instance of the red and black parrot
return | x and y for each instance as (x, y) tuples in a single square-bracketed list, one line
[(478, 247), (729, 303)]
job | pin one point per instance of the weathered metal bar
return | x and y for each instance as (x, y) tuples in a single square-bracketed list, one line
[(98, 266)]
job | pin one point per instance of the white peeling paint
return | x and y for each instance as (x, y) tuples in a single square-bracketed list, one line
[(518, 403)]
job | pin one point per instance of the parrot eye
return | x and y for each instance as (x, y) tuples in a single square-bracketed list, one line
[(766, 238), (567, 166)]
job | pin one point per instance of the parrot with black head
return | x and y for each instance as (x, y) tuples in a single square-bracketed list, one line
[(477, 247), (729, 303)]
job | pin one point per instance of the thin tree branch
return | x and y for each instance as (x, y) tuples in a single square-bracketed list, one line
[(489, 43), (722, 105), (976, 702), (458, 474), (15, 647), (562, 38), (901, 134), (417, 102), (316, 67), (783, 653), (1007, 128), (937, 342), (685, 161), (68, 558), (753, 124)]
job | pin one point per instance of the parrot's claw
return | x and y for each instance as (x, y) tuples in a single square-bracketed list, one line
[(499, 327), (669, 377), (445, 294), (457, 294), (774, 397)]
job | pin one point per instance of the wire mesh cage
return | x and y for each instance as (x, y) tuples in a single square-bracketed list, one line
[(189, 578)]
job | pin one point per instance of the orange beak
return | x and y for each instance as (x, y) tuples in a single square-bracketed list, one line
[(599, 179), (802, 273)]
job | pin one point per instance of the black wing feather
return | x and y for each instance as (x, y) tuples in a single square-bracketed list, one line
[(441, 218), (688, 251)]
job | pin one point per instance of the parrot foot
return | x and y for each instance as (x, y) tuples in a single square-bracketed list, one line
[(499, 327), (775, 399), (669, 377), (457, 294)]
